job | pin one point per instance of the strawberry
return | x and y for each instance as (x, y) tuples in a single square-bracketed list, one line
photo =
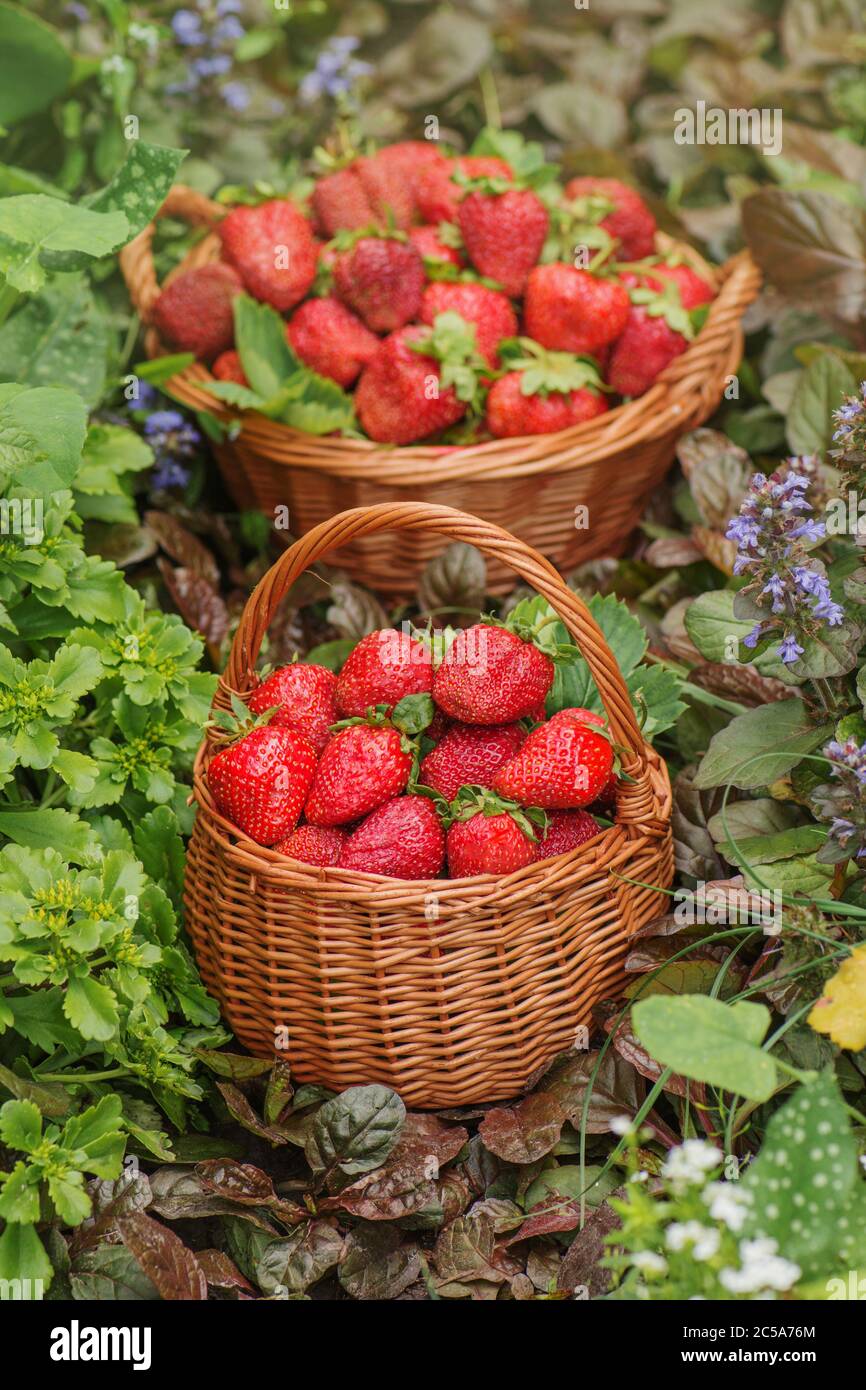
[(261, 782), (304, 696), (272, 248), (382, 279), (430, 246), (491, 313), (469, 754), (227, 367), (563, 764), (488, 835), (315, 844), (362, 765), (503, 234), (331, 339), (573, 310), (339, 202), (544, 391), (617, 208), (490, 675), (194, 312), (406, 394), (401, 839), (388, 190), (565, 831), (658, 327), (382, 669), (438, 195)]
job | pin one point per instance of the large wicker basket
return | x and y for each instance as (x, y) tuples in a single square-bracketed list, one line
[(451, 991), (535, 486)]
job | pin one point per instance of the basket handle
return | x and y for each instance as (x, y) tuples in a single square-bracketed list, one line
[(136, 259), (493, 542)]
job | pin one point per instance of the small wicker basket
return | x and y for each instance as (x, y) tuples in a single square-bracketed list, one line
[(535, 486), (450, 991)]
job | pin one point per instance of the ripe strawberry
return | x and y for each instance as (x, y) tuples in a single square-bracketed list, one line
[(361, 766), (315, 844), (304, 696), (395, 397), (565, 830), (340, 202), (194, 312), (490, 311), (430, 246), (503, 234), (469, 755), (510, 412), (382, 280), (489, 836), (658, 327), (384, 667), (401, 839), (261, 782), (563, 764), (388, 190), (272, 248), (227, 367), (489, 675), (438, 196), (331, 339), (617, 208), (573, 310)]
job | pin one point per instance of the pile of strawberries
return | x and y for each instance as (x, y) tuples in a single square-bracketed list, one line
[(448, 292), (409, 762)]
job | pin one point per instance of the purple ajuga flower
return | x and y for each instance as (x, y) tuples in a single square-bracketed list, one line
[(236, 95), (187, 28), (336, 72)]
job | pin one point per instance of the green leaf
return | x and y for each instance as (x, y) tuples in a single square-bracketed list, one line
[(55, 829), (22, 1256), (20, 1125), (32, 227), (332, 654), (712, 626), (91, 1008), (356, 1130), (709, 1041), (140, 186), (318, 405), (34, 65), (760, 746), (260, 338), (812, 247), (573, 685), (55, 424), (58, 338), (817, 394)]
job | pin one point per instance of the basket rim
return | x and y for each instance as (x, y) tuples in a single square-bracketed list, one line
[(662, 409)]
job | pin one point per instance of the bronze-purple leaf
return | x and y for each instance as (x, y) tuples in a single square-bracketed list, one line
[(525, 1132), (168, 1263)]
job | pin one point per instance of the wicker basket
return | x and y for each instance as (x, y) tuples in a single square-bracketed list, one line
[(532, 485), (451, 991)]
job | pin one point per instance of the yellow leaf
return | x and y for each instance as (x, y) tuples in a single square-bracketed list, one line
[(841, 1010)]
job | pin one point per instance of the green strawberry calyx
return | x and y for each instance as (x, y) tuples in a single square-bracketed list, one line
[(474, 801), (236, 723), (452, 343), (409, 717), (574, 226), (665, 303), (543, 371), (538, 631), (348, 237)]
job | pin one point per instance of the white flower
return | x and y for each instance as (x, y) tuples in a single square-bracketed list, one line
[(146, 34), (113, 64), (640, 1176), (691, 1161), (622, 1124), (761, 1270), (704, 1239), (728, 1203), (649, 1262)]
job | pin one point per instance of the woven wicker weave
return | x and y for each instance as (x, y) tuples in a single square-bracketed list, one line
[(532, 485), (451, 991)]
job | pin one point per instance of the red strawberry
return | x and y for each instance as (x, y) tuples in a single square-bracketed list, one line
[(395, 397), (562, 764), (384, 667), (382, 280), (620, 211), (438, 196), (194, 312), (470, 755), (503, 234), (361, 766), (228, 367), (565, 830), (272, 248), (510, 412), (489, 675), (430, 246), (340, 202), (657, 329), (331, 339), (401, 839), (304, 696), (490, 311), (261, 782), (388, 190), (489, 835), (573, 310), (315, 844)]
